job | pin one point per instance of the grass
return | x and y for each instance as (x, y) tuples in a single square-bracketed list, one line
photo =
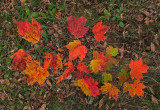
[(136, 37)]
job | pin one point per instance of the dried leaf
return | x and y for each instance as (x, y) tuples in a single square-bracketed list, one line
[(99, 30), (155, 100), (140, 17), (137, 68), (153, 48), (76, 26), (43, 107)]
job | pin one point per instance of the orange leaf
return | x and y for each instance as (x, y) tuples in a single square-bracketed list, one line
[(35, 72), (67, 72), (137, 68), (30, 31), (76, 50), (134, 89), (88, 86), (52, 61), (83, 68), (76, 26), (99, 30), (19, 59), (99, 62), (111, 90)]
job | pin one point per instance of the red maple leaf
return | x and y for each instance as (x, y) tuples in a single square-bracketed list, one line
[(134, 89), (76, 50), (76, 26), (137, 68), (82, 69), (52, 61), (67, 72), (99, 30), (19, 59), (23, 27)]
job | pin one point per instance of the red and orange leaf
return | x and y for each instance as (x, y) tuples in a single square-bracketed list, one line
[(67, 72), (108, 88), (30, 31), (99, 30), (23, 27), (134, 89), (76, 26), (35, 72), (76, 50), (137, 68), (88, 86), (99, 62), (52, 61), (19, 59), (83, 68)]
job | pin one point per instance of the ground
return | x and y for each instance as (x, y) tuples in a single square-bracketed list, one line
[(135, 31)]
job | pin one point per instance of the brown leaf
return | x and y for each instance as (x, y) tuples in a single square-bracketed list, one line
[(151, 90), (154, 99), (153, 47), (107, 107), (140, 17), (145, 12), (43, 107), (100, 104), (2, 96), (51, 31), (49, 83), (146, 21), (27, 108)]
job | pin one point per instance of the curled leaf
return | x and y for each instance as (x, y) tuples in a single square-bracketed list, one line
[(67, 72)]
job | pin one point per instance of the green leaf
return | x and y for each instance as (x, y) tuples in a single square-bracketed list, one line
[(43, 15), (114, 18), (108, 15), (106, 77), (27, 10), (44, 34), (121, 9), (121, 24), (118, 11), (112, 51), (35, 14), (6, 76), (101, 18)]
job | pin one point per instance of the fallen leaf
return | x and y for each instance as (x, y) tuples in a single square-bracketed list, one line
[(76, 26), (153, 48), (43, 107), (99, 30), (140, 17), (154, 99), (100, 104)]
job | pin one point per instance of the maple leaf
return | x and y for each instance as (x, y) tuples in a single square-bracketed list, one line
[(134, 89), (76, 26), (123, 76), (82, 69), (137, 68), (67, 72), (99, 62), (23, 27), (112, 51), (35, 72), (99, 30), (30, 31), (52, 61), (76, 50), (106, 77), (19, 59), (88, 86), (113, 91)]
